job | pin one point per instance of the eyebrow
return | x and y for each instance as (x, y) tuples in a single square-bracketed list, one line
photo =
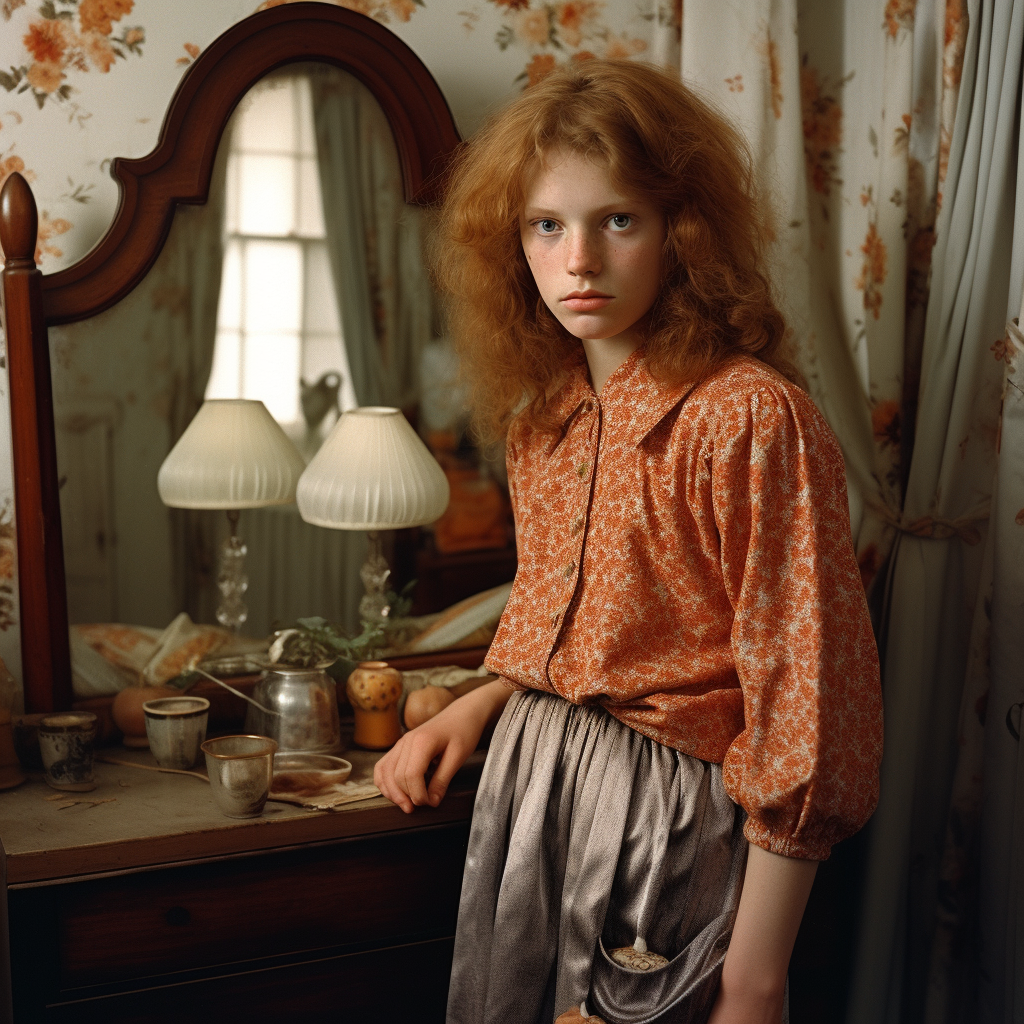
[(626, 206)]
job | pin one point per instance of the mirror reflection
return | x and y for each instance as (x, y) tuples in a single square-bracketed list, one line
[(300, 283)]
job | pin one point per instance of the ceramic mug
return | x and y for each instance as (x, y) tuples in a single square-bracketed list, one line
[(176, 728), (66, 743), (240, 770)]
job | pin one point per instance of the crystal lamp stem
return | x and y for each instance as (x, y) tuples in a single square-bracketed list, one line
[(232, 581)]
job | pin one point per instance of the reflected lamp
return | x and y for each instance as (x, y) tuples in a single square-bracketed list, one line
[(372, 473), (233, 455)]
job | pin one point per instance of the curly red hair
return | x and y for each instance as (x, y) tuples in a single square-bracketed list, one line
[(659, 141)]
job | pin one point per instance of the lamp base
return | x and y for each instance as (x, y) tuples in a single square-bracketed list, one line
[(374, 606), (232, 581)]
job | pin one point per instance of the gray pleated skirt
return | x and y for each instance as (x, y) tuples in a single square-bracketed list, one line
[(585, 836)]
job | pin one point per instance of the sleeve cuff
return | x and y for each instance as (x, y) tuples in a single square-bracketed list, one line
[(784, 845)]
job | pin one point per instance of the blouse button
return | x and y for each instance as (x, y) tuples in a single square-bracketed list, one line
[(589, 406), (581, 469), (570, 569), (577, 524)]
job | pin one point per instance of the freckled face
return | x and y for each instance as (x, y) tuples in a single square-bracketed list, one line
[(595, 253)]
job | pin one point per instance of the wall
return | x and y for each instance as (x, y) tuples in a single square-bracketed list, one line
[(88, 80)]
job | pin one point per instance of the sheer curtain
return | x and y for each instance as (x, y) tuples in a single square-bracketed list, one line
[(375, 242)]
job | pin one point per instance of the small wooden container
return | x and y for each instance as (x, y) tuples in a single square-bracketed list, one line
[(373, 689)]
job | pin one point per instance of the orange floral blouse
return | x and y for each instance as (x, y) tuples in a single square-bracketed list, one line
[(685, 561)]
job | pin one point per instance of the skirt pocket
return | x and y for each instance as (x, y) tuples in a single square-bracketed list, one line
[(681, 991)]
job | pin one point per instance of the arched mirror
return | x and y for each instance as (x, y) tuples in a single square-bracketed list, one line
[(222, 275)]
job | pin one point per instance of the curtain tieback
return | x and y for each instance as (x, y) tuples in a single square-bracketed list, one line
[(935, 527)]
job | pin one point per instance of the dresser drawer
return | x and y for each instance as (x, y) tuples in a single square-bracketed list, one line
[(379, 986), (358, 894)]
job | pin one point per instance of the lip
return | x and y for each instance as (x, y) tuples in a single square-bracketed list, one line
[(586, 301)]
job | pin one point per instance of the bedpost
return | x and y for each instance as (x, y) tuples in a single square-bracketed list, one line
[(45, 652)]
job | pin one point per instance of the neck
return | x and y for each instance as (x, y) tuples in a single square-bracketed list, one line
[(606, 355)]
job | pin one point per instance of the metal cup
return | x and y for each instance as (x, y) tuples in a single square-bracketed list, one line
[(176, 728), (65, 743), (240, 770)]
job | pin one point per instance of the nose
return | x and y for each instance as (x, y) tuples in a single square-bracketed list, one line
[(583, 255)]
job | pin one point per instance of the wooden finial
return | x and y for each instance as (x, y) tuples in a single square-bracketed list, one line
[(19, 220)]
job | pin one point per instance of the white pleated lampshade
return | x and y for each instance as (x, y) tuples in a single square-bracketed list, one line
[(233, 455), (372, 473)]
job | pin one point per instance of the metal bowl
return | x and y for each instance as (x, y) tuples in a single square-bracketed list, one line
[(307, 775)]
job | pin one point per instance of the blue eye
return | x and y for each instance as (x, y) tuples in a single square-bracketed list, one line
[(620, 221), (547, 226)]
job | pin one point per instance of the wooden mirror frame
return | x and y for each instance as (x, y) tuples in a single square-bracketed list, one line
[(177, 171)]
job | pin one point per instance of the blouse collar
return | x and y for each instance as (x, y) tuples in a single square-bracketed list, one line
[(643, 399)]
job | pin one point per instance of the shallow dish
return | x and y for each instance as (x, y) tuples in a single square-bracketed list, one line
[(302, 775)]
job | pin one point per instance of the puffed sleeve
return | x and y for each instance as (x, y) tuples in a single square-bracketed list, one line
[(805, 766)]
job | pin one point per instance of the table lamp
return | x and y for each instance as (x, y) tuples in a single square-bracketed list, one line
[(372, 473), (233, 455)]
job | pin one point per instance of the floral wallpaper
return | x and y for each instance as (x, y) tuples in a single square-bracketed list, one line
[(70, 36)]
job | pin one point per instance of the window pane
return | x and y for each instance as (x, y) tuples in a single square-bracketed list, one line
[(225, 377), (322, 354), (273, 286), (321, 312), (229, 308), (311, 212), (267, 202), (266, 122), (271, 373)]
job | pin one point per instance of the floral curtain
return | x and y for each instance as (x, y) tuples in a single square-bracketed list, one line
[(892, 259), (847, 108), (920, 894)]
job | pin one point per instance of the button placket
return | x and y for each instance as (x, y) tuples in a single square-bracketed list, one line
[(583, 463), (583, 466)]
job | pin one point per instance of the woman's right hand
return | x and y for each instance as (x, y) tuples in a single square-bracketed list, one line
[(450, 736)]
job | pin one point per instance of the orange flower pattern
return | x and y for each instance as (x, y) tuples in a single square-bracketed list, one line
[(100, 15), (885, 423), (191, 52), (57, 45), (380, 10), (47, 230), (822, 121), (899, 14), (685, 561), (873, 271), (552, 28)]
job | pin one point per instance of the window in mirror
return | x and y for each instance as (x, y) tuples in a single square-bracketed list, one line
[(278, 314)]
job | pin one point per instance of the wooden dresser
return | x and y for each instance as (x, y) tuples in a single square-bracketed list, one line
[(154, 907)]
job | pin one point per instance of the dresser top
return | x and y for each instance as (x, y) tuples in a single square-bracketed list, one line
[(136, 818)]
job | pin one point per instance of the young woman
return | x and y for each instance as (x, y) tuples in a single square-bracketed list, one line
[(689, 699)]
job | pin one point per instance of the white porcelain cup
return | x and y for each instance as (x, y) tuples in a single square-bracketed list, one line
[(240, 770), (176, 728)]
